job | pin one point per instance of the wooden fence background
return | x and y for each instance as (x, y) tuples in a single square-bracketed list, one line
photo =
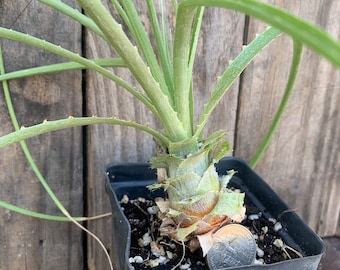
[(302, 163)]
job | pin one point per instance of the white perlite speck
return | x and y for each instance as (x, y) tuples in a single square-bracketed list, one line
[(136, 259), (259, 261), (278, 243), (277, 226), (145, 240), (157, 249), (253, 217), (153, 263), (125, 199), (259, 252), (272, 220), (185, 266), (264, 229), (152, 210)]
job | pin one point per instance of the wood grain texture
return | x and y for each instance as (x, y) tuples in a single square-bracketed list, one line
[(28, 243), (106, 144), (302, 162)]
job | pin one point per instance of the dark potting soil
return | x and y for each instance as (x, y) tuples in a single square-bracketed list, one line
[(150, 251)]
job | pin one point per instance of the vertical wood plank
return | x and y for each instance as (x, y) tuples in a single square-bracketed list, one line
[(290, 165), (28, 243), (302, 162), (107, 144)]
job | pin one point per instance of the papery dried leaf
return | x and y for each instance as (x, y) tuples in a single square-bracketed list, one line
[(161, 175), (184, 220), (193, 244), (206, 242), (166, 222), (168, 228), (209, 222), (174, 213), (183, 233), (201, 204), (162, 204), (239, 217)]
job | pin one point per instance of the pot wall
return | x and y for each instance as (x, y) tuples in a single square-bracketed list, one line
[(132, 179)]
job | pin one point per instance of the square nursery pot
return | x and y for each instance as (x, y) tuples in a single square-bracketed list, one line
[(132, 179)]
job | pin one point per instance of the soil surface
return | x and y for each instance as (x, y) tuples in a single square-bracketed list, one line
[(150, 251)]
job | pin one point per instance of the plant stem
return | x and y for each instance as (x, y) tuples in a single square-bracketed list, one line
[(74, 14), (162, 46), (60, 67), (45, 216), (297, 28), (181, 71), (49, 126), (120, 42), (193, 47), (144, 44), (234, 69), (89, 64), (297, 55), (22, 143), (35, 168)]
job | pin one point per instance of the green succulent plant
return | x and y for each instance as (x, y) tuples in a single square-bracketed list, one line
[(163, 69)]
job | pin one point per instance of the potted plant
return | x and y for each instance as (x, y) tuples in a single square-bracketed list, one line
[(131, 181), (164, 73)]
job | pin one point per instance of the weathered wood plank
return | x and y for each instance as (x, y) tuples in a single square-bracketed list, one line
[(28, 243), (116, 144), (302, 162), (290, 164)]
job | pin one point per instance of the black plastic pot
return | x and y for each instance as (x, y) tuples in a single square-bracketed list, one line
[(132, 178)]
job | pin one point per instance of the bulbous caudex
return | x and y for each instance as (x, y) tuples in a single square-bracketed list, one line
[(197, 197)]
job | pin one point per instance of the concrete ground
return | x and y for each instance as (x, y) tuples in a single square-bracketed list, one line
[(331, 259)]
